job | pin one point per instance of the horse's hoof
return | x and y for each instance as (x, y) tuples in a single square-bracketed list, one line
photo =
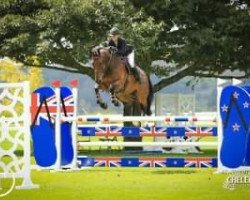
[(98, 102), (104, 105), (116, 103)]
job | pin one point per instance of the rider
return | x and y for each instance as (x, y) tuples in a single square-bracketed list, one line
[(120, 46)]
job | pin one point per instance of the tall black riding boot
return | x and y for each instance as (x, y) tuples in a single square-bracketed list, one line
[(136, 74)]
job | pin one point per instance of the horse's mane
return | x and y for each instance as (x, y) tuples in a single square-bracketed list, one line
[(95, 51)]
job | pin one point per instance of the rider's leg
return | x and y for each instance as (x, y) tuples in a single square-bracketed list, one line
[(131, 61)]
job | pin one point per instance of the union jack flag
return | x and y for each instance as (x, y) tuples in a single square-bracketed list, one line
[(36, 100), (152, 162), (69, 106), (153, 131), (199, 162), (108, 131), (35, 104), (146, 162), (200, 131), (107, 162)]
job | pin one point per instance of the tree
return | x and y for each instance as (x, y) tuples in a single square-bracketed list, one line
[(11, 71), (63, 32), (202, 38)]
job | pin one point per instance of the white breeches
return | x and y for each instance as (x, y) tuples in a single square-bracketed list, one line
[(131, 59)]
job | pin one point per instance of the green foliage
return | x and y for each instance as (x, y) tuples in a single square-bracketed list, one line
[(63, 31), (207, 36), (13, 72), (212, 36)]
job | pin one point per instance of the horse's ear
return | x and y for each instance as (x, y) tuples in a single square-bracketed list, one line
[(95, 51), (94, 55)]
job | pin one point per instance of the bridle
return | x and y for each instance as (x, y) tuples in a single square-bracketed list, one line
[(108, 65)]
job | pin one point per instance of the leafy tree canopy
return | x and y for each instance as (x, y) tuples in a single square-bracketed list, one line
[(203, 38)]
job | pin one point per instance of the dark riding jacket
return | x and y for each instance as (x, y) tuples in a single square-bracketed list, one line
[(123, 49)]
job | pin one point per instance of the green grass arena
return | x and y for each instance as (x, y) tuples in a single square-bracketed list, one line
[(130, 183)]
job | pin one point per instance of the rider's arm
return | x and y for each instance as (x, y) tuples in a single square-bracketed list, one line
[(122, 48), (104, 44)]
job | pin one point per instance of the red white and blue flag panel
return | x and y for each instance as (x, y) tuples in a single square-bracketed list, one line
[(189, 162), (154, 131)]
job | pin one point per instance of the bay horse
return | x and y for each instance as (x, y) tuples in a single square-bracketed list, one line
[(112, 75)]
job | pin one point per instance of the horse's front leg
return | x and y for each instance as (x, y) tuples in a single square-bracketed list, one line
[(99, 98), (113, 97)]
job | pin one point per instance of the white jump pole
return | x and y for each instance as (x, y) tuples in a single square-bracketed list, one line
[(115, 118), (57, 165), (151, 144), (74, 85)]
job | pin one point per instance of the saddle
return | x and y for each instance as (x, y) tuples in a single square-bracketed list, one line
[(127, 65), (131, 71)]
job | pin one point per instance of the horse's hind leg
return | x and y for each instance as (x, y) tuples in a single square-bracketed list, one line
[(99, 99), (113, 97)]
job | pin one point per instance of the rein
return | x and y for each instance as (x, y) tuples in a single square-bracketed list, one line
[(108, 66), (110, 58)]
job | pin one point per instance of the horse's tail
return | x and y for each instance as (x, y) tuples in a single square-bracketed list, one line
[(150, 97)]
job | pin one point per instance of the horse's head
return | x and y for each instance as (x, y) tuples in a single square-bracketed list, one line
[(100, 58)]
